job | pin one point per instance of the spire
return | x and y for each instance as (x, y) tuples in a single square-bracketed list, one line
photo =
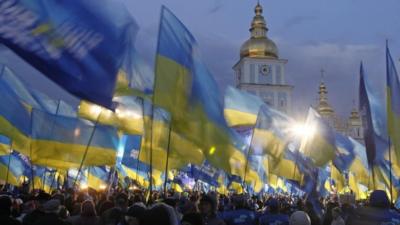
[(323, 106), (258, 26), (354, 115)]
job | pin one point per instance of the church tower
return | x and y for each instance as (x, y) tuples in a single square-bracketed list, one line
[(354, 126), (260, 71)]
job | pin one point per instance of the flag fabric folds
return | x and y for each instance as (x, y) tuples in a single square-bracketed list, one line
[(15, 166), (374, 124), (14, 119), (77, 44), (97, 177), (344, 151), (186, 89), (393, 104), (61, 142), (241, 108), (5, 145), (319, 144)]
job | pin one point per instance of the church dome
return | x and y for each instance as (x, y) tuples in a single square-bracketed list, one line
[(259, 45)]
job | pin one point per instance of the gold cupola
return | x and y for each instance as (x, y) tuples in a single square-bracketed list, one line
[(324, 109), (259, 45)]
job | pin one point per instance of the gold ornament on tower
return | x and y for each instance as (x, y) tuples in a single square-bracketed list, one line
[(259, 45)]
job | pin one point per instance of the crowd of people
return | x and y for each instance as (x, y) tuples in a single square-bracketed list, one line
[(133, 207)]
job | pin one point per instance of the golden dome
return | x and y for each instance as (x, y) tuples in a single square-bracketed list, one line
[(324, 108), (259, 45)]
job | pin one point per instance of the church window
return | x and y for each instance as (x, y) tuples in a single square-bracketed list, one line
[(282, 98)]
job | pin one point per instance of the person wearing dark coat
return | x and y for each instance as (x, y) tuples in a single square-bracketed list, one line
[(51, 216), (88, 215), (376, 213), (5, 211)]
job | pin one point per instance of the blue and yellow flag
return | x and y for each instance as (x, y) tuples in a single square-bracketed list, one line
[(271, 132), (241, 108), (46, 179), (186, 89), (77, 44), (15, 166), (393, 104), (319, 143), (14, 119), (18, 87), (373, 115), (345, 151), (97, 177), (5, 145), (62, 143), (32, 98)]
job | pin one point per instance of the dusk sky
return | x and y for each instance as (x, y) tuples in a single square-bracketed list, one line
[(310, 34)]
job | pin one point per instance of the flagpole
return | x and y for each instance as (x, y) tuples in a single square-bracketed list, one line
[(249, 148), (142, 141), (166, 163), (9, 162), (390, 172), (30, 153), (87, 147)]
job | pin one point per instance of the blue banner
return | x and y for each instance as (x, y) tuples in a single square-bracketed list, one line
[(80, 45)]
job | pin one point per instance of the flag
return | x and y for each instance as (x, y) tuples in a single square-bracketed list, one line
[(15, 166), (77, 44), (130, 145), (97, 177), (5, 145), (241, 108), (161, 139), (344, 154), (271, 132), (18, 87), (58, 107), (186, 89), (205, 173), (319, 145), (45, 178), (373, 120), (14, 119), (62, 142), (393, 104)]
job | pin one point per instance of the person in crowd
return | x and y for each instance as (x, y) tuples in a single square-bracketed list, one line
[(273, 216), (337, 216), (160, 213), (241, 214), (116, 214), (135, 214), (87, 215), (5, 211), (208, 210), (299, 218), (51, 214), (192, 219), (377, 212)]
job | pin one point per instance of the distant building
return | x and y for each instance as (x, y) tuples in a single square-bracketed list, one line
[(351, 126), (260, 71)]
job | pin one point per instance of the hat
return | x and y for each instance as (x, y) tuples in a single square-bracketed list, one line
[(52, 205), (379, 199), (299, 218), (136, 210)]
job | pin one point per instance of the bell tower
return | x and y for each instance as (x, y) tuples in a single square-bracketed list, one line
[(259, 70)]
